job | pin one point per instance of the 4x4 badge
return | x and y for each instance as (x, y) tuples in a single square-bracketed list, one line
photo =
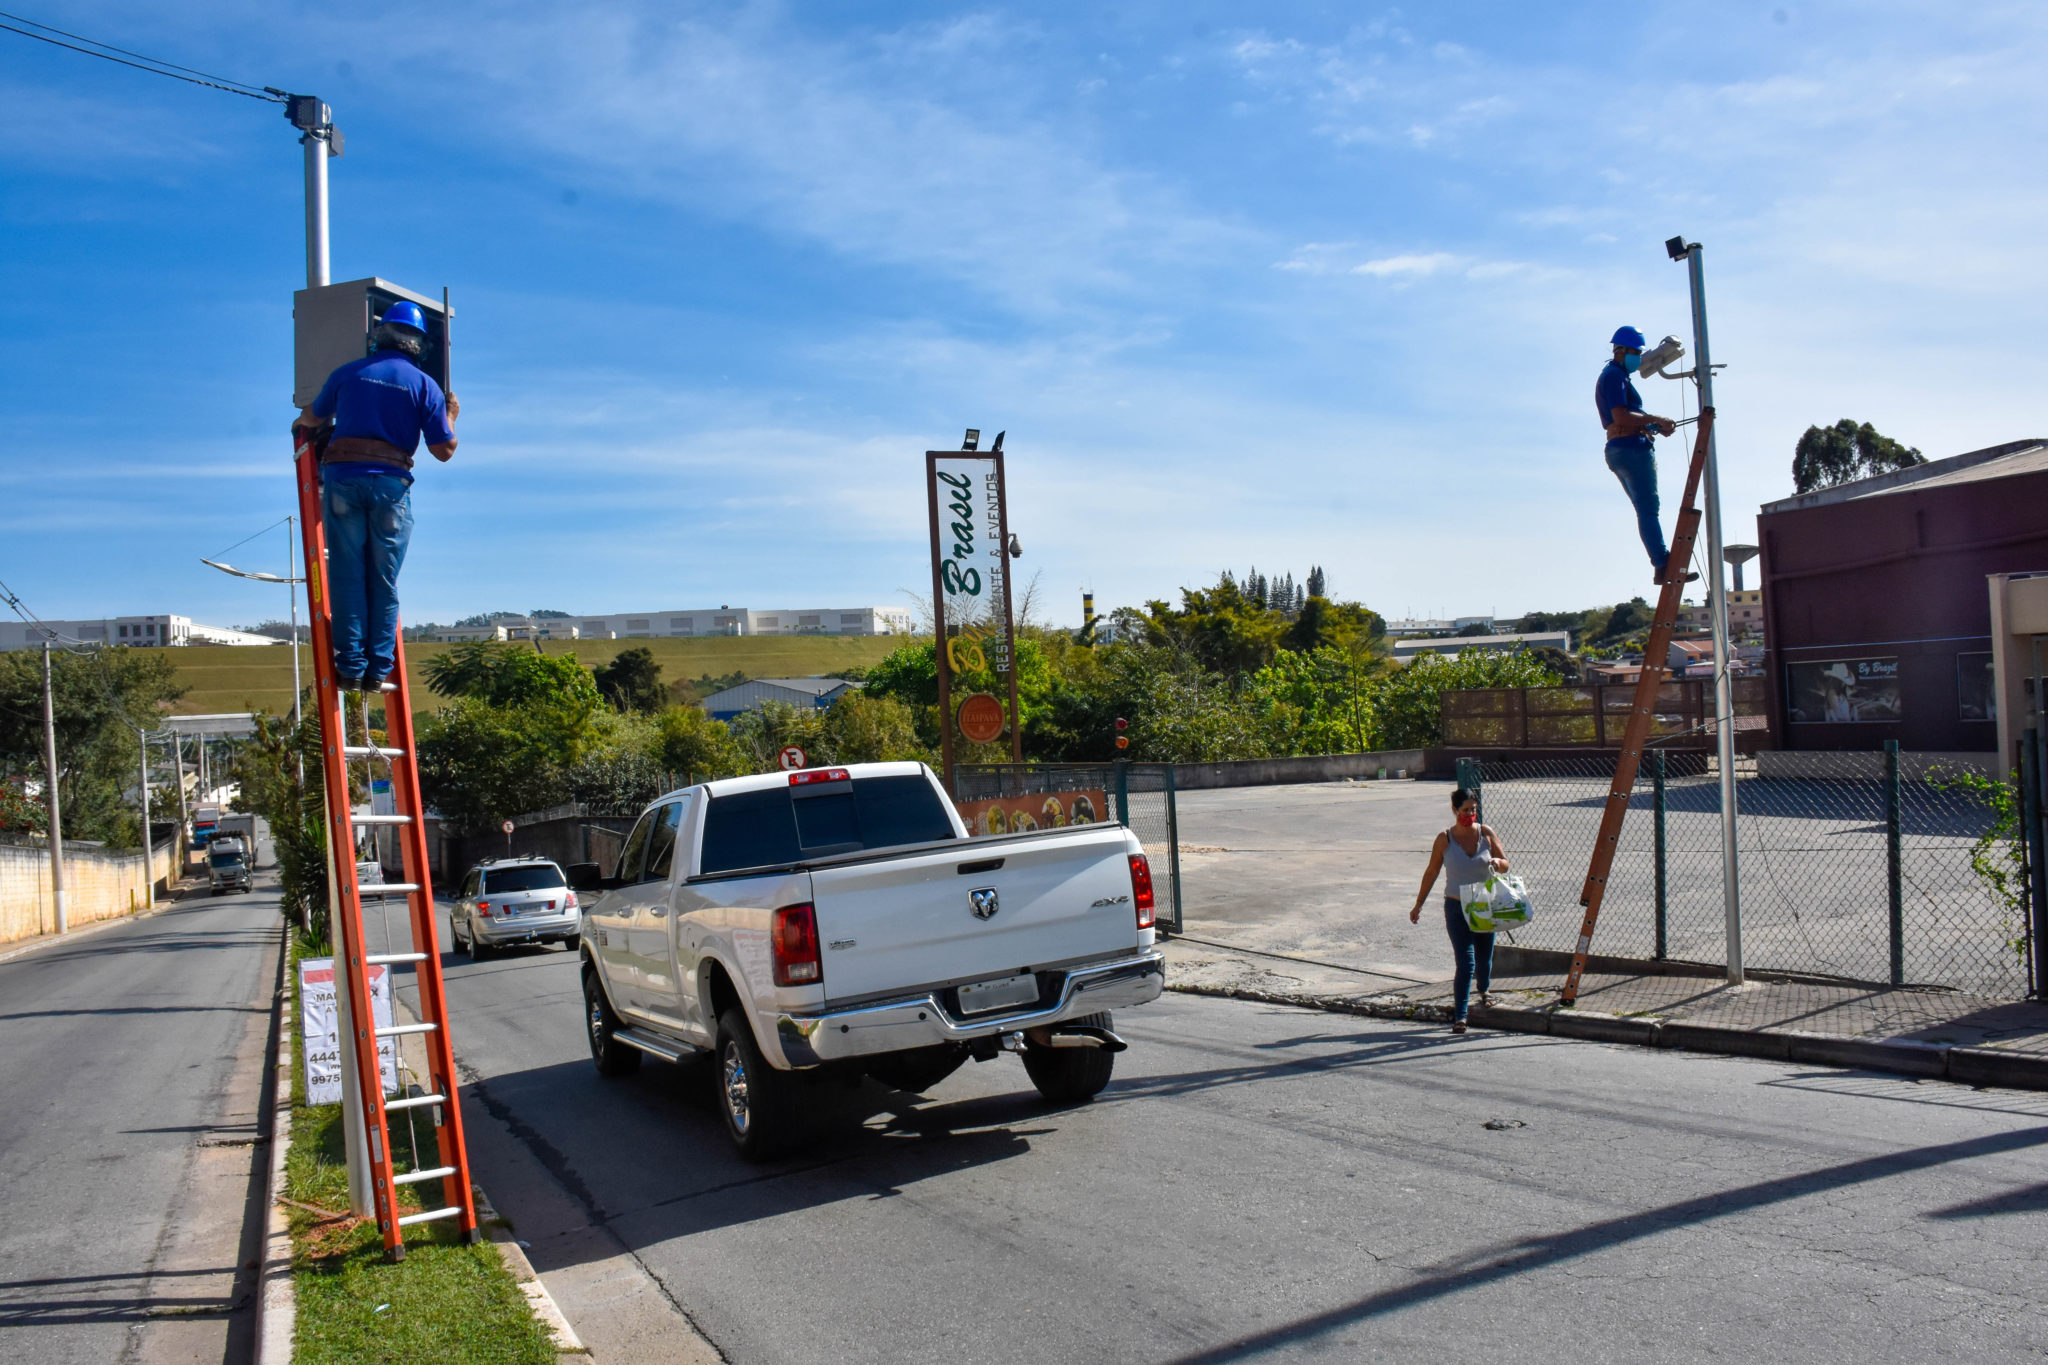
[(982, 901)]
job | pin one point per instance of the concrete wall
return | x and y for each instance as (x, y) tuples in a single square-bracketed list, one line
[(97, 885), (562, 833), (1268, 772)]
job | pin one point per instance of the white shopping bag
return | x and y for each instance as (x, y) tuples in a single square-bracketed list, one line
[(1495, 903)]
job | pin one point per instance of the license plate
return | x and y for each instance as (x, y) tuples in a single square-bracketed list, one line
[(982, 996)]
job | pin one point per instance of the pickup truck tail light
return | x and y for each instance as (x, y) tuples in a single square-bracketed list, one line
[(794, 943), (1141, 889)]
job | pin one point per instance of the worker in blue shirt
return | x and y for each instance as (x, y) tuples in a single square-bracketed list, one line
[(1630, 453), (382, 407)]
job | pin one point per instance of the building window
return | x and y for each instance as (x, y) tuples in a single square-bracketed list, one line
[(1976, 690), (636, 625), (592, 627), (853, 618), (679, 623), (771, 620), (809, 620)]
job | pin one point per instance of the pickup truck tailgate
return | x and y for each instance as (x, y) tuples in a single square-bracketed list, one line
[(910, 922)]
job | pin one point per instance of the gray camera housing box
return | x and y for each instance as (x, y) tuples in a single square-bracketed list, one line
[(331, 326)]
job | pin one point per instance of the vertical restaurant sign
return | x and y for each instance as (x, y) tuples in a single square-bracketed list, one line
[(971, 562), (321, 1023)]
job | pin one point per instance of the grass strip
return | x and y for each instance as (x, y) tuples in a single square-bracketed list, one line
[(445, 1302)]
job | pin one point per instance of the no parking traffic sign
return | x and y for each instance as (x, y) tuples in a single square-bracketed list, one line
[(791, 758)]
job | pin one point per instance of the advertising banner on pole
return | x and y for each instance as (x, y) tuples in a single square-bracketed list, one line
[(971, 594), (318, 1019)]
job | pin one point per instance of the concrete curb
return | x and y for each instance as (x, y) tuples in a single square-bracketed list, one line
[(277, 1299), (1978, 1066), (494, 1226)]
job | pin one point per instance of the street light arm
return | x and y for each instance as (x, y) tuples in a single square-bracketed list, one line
[(248, 573)]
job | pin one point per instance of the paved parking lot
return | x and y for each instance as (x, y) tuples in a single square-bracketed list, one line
[(1324, 870)]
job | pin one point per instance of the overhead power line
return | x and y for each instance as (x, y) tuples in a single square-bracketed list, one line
[(105, 51)]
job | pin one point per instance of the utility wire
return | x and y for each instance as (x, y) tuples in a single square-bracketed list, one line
[(150, 64)]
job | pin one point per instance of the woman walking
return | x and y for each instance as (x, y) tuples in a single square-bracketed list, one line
[(1466, 852)]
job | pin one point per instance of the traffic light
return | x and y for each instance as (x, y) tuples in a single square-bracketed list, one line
[(1123, 741)]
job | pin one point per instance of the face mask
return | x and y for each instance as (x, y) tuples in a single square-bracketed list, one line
[(1631, 362), (1468, 817)]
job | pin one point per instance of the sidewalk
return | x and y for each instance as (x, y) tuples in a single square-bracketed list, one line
[(1915, 1031)]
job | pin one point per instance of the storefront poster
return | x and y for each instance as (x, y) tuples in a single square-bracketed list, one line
[(1842, 691), (1016, 814)]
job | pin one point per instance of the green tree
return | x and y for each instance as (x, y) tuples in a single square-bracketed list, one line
[(1844, 452), (101, 697), (1228, 632), (266, 771), (1345, 625), (521, 720), (1410, 701), (632, 681), (693, 744), (873, 729)]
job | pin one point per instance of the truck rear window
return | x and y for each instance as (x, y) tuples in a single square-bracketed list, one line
[(766, 828)]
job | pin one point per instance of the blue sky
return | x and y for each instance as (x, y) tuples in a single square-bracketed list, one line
[(1245, 283)]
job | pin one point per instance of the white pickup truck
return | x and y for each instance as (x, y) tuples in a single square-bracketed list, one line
[(841, 921)]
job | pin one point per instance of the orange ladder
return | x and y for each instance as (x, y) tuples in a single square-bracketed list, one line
[(343, 823), (1636, 735)]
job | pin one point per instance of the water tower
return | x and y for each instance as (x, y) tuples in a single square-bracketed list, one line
[(1737, 556)]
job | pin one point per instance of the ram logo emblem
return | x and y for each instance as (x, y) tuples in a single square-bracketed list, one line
[(982, 901)]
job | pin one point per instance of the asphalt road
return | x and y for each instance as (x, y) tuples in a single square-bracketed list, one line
[(1274, 1184), (131, 1067)]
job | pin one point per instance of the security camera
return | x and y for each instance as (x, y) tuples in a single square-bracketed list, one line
[(1676, 248)]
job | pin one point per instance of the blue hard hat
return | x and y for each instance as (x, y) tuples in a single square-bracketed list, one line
[(1627, 336), (405, 314)]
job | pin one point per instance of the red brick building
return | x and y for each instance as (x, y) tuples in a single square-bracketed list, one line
[(1877, 616)]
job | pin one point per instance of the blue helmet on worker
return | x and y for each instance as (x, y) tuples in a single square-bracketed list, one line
[(402, 328), (1626, 336)]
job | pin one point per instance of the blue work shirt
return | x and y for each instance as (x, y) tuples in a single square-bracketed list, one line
[(1616, 390), (383, 397)]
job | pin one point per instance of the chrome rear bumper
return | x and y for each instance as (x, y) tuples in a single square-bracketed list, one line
[(526, 928), (920, 1021)]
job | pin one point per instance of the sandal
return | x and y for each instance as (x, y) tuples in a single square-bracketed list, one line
[(1486, 1000), (1457, 1025)]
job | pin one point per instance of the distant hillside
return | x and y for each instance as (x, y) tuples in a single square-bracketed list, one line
[(229, 678)]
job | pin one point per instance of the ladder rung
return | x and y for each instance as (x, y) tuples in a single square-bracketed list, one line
[(414, 1102), (380, 819), (391, 959), (383, 889), (400, 1030), (417, 1176), (370, 751), (387, 687), (428, 1216)]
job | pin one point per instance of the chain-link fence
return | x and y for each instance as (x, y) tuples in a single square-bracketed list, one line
[(1867, 876), (1139, 796)]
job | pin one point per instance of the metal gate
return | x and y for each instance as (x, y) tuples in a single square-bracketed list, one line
[(1138, 796)]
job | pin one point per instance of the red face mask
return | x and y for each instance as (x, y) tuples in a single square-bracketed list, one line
[(1468, 817)]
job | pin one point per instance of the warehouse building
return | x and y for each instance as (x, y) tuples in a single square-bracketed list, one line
[(687, 623), (143, 631), (1876, 600), (803, 693)]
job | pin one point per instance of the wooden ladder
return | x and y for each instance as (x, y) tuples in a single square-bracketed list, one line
[(396, 755), (1637, 733)]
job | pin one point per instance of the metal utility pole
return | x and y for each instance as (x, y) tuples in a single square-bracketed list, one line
[(1717, 611), (315, 122), (148, 845), (50, 796), (291, 587)]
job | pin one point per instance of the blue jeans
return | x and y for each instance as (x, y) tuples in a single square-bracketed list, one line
[(369, 522), (1634, 461), (1473, 953)]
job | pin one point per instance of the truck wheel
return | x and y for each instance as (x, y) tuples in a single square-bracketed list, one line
[(754, 1097), (1070, 1075), (613, 1058)]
